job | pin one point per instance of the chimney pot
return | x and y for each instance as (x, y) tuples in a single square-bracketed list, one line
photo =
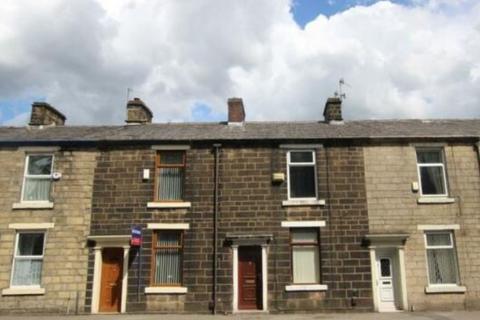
[(236, 111), (333, 110), (43, 114), (138, 112)]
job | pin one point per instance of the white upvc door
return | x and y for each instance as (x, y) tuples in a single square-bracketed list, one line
[(385, 283)]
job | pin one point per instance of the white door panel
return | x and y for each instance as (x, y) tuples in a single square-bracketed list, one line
[(385, 283)]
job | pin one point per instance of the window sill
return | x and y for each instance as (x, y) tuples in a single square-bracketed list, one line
[(177, 290), (166, 205), (428, 200), (33, 205), (306, 287), (22, 291), (299, 203), (445, 289)]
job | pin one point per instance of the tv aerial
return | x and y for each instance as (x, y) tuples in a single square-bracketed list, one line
[(340, 92)]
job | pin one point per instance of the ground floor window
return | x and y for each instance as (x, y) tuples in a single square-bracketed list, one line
[(28, 259), (305, 255), (167, 258), (441, 257)]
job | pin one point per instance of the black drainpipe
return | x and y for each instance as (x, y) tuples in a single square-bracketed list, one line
[(216, 147), (478, 151)]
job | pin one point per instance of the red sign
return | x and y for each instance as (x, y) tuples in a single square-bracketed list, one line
[(136, 242)]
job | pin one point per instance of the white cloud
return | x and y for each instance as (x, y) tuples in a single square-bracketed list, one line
[(82, 55)]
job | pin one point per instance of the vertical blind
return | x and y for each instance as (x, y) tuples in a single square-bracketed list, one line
[(170, 175), (170, 184), (168, 257)]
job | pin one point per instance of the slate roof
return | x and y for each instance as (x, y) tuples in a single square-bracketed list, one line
[(366, 129)]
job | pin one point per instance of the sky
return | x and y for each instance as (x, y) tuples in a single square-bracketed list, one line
[(399, 59)]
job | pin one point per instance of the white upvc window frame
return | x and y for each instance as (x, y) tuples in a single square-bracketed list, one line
[(302, 164), (16, 257), (36, 176), (452, 246), (437, 164)]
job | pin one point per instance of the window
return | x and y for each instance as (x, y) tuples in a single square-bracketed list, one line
[(170, 174), (441, 257), (28, 259), (305, 255), (302, 182), (167, 258), (431, 171), (385, 268), (38, 178)]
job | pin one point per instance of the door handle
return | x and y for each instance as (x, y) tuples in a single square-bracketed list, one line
[(113, 284)]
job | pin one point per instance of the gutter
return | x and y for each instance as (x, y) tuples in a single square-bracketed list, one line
[(216, 147)]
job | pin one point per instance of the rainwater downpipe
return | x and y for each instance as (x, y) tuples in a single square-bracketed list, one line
[(478, 151), (216, 147)]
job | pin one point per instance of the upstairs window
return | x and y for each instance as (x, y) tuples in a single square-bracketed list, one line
[(305, 256), (170, 173), (302, 182), (441, 258), (167, 258), (431, 171), (38, 177), (28, 259)]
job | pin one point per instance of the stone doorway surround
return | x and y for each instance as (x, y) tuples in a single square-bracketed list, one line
[(109, 241), (250, 240), (394, 242)]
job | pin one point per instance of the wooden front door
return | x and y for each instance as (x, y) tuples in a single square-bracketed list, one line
[(249, 278), (111, 284)]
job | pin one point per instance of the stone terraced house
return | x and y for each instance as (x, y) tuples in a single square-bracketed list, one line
[(239, 216)]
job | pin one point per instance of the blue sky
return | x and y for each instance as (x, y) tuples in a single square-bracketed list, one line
[(305, 11), (11, 108)]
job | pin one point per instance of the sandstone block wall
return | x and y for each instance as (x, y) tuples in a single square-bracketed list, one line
[(249, 203), (393, 207), (65, 259)]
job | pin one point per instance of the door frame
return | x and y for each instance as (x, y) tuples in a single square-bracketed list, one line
[(122, 241), (397, 257), (264, 265)]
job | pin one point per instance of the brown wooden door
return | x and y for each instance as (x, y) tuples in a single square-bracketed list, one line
[(111, 284), (249, 278)]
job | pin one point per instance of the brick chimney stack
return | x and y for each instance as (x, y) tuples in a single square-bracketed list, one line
[(138, 112), (236, 111), (333, 110), (44, 114)]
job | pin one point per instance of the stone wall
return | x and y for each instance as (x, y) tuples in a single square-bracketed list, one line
[(65, 259), (249, 203), (393, 207)]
